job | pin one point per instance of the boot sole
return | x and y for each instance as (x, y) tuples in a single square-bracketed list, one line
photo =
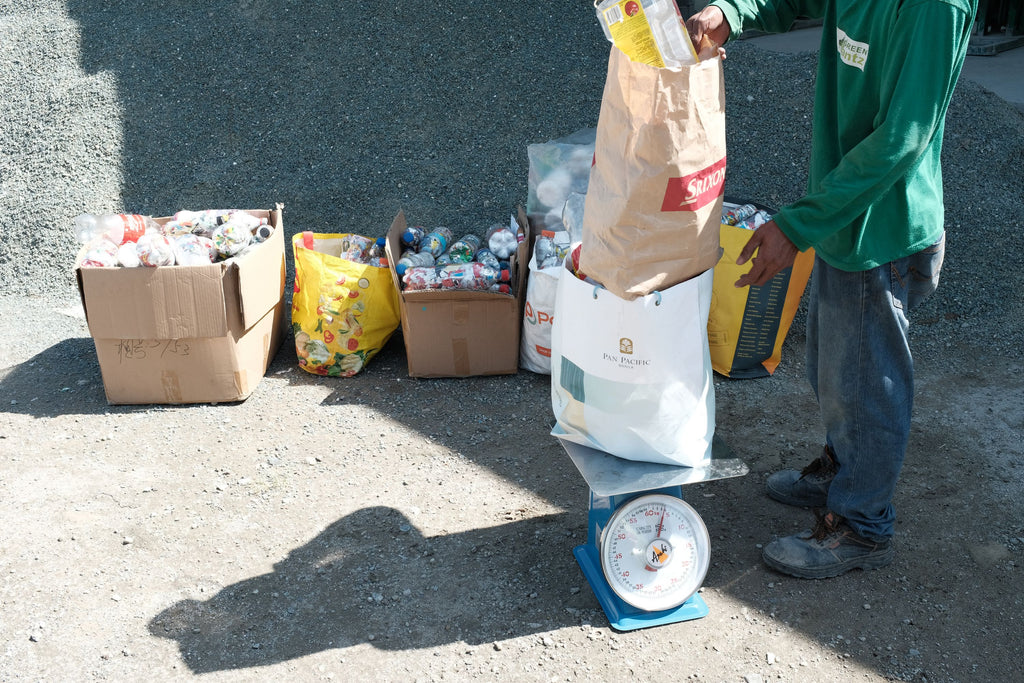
[(873, 561)]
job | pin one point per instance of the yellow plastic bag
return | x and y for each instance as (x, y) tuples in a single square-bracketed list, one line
[(746, 326), (343, 312)]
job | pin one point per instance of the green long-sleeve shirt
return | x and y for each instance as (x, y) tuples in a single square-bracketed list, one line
[(886, 71)]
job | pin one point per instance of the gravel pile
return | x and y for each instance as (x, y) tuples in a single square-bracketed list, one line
[(347, 116)]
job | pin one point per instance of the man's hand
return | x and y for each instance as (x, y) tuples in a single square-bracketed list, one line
[(774, 253), (709, 25)]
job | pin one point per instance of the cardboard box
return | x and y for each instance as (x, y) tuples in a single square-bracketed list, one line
[(461, 333), (188, 334)]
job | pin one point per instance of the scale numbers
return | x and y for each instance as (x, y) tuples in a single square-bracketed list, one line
[(655, 552)]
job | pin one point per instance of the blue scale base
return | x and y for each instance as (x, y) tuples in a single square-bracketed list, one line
[(623, 616), (612, 482)]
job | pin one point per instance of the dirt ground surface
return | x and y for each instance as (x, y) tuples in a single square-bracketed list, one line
[(388, 528), (384, 528)]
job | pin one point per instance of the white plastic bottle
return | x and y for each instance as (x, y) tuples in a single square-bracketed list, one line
[(116, 227)]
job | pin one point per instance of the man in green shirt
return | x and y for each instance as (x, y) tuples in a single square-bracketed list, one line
[(873, 213)]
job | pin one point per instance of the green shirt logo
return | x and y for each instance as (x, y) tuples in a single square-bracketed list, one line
[(850, 51)]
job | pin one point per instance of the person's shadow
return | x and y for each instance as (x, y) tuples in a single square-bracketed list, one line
[(372, 577)]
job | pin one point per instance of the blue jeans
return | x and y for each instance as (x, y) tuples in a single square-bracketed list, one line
[(861, 369)]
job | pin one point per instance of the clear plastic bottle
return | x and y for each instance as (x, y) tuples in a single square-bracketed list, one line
[(736, 215), (263, 233), (436, 241), (376, 249), (464, 249), (457, 276), (501, 240), (487, 257), (116, 227), (413, 236), (562, 243), (544, 250), (413, 259), (627, 25), (353, 248)]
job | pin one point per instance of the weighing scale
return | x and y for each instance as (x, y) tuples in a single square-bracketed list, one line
[(647, 550)]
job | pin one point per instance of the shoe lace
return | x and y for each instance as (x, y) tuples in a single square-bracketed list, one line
[(827, 524), (825, 462)]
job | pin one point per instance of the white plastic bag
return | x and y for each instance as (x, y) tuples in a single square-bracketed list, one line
[(633, 378), (538, 316)]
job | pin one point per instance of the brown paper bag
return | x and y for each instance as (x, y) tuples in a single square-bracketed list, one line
[(654, 202)]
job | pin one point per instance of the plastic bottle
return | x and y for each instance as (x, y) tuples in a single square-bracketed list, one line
[(562, 243), (376, 249), (263, 233), (230, 238), (544, 250), (353, 248), (413, 236), (194, 250), (456, 276), (734, 216), (436, 241), (413, 259), (116, 227), (501, 240), (464, 249), (155, 250), (487, 257), (659, 19)]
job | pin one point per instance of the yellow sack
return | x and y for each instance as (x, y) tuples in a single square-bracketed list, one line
[(746, 327), (343, 312)]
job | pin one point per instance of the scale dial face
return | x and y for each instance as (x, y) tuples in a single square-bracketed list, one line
[(655, 552)]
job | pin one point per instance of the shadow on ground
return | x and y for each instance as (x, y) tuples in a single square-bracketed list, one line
[(371, 577)]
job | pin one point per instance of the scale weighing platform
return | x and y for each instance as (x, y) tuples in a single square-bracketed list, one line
[(647, 550)]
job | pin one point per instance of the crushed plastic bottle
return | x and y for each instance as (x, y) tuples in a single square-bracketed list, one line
[(231, 237), (474, 276), (487, 257), (155, 249), (738, 214), (262, 233), (544, 250), (413, 236), (436, 241), (118, 228), (353, 248), (377, 249), (651, 32), (99, 253), (194, 250), (413, 259), (501, 240), (464, 249)]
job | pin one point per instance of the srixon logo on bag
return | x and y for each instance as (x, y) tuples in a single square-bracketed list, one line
[(696, 190)]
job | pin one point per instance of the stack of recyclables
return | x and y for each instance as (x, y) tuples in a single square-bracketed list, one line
[(451, 330), (188, 238), (188, 333), (746, 216), (433, 260), (648, 31)]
